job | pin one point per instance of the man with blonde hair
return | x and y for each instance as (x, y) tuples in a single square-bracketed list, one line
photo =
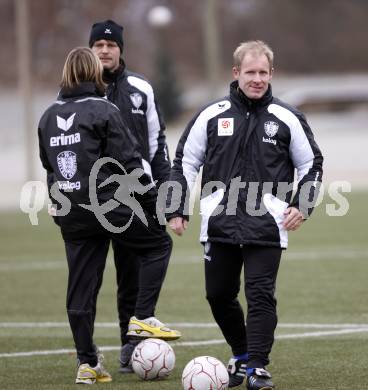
[(256, 48), (249, 144)]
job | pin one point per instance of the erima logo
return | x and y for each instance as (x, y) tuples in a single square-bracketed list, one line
[(107, 31), (65, 124), (63, 140)]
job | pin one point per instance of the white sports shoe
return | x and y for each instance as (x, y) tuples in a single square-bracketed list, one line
[(88, 375)]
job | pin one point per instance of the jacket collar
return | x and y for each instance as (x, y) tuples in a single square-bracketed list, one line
[(83, 89), (111, 77), (238, 95)]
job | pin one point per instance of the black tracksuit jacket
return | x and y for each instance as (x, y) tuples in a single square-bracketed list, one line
[(260, 143), (76, 131)]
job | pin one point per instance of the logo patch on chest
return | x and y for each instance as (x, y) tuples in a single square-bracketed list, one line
[(271, 128), (137, 100), (225, 126)]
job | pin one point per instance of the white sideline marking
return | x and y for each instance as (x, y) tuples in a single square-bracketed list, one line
[(323, 326), (34, 265), (37, 353), (281, 325), (332, 253), (52, 325), (321, 334), (192, 343), (194, 325)]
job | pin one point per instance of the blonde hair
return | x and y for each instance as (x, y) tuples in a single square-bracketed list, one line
[(81, 65), (255, 47)]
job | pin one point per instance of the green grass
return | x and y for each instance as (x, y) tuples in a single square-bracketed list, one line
[(322, 279)]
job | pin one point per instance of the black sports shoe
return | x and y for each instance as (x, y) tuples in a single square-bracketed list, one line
[(259, 379), (237, 371), (125, 360)]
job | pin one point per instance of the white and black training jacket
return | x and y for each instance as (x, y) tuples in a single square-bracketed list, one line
[(250, 149), (134, 97)]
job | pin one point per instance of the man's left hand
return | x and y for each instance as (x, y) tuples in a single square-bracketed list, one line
[(293, 218)]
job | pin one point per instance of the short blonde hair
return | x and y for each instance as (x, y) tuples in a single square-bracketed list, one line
[(81, 65), (255, 47)]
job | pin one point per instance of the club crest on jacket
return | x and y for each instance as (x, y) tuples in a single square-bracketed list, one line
[(136, 99), (271, 128), (67, 163)]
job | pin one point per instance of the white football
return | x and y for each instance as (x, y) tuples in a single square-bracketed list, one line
[(205, 373), (153, 359)]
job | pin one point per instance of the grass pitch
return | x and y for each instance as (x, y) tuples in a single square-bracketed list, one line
[(322, 338)]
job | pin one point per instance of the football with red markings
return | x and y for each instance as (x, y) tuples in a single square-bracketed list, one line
[(205, 373), (153, 359)]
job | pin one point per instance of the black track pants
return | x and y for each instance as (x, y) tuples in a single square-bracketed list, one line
[(127, 266), (128, 277), (86, 262), (223, 266)]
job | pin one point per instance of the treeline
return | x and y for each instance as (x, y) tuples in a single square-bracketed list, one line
[(308, 36)]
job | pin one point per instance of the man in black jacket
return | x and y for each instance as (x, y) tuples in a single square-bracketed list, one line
[(134, 96), (249, 144)]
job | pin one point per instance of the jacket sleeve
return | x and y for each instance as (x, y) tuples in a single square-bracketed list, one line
[(190, 155), (307, 159), (121, 145), (158, 151), (42, 150), (50, 176), (43, 155)]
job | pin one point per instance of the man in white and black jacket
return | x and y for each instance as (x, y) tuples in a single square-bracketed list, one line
[(135, 98), (249, 144)]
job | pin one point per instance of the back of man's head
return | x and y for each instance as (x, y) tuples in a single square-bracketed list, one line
[(108, 30)]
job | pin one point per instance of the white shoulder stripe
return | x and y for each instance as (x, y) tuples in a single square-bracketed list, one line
[(141, 84), (153, 122), (300, 149), (104, 99), (196, 142)]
